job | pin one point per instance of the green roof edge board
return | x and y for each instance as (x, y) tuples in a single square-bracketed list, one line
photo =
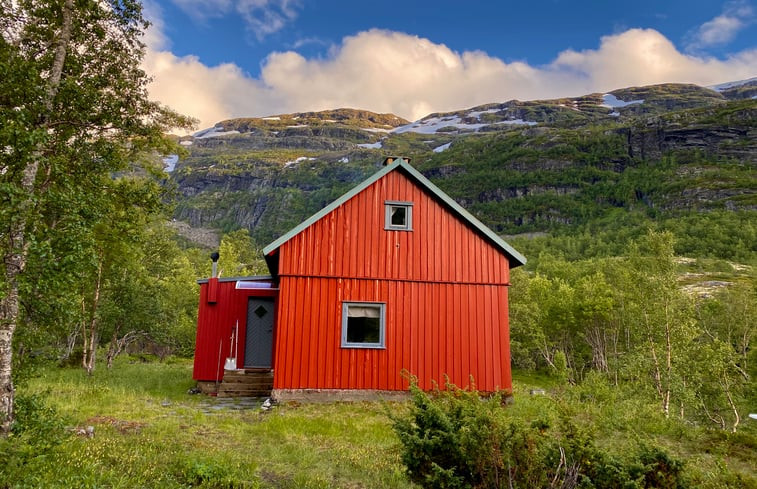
[(501, 243), (318, 215), (416, 175)]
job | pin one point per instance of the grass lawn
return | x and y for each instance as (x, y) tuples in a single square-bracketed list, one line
[(149, 432)]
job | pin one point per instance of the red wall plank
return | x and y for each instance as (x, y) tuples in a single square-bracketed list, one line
[(352, 242), (424, 325), (214, 325)]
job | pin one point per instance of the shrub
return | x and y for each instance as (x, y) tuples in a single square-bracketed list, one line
[(457, 439), (36, 432)]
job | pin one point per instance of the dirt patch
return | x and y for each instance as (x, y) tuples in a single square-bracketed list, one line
[(122, 426)]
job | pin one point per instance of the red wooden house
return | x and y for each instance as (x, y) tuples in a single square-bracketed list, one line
[(394, 277)]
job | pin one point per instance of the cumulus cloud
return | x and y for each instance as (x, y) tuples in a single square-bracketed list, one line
[(721, 30), (643, 57), (262, 17), (409, 76)]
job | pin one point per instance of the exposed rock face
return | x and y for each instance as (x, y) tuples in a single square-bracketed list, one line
[(518, 166), (746, 89), (500, 194), (657, 138), (206, 237)]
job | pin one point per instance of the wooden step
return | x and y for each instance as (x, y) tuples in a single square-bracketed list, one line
[(246, 383)]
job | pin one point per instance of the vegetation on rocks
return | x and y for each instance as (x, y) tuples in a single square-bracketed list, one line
[(346, 117), (694, 152)]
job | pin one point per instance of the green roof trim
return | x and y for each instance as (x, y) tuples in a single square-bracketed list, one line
[(400, 163), (341, 200)]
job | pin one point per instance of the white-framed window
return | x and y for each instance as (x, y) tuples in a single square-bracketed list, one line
[(398, 215), (363, 325)]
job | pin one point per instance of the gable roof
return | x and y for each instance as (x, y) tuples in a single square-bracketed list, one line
[(400, 164)]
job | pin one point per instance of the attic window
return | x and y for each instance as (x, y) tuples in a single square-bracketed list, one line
[(363, 325), (398, 215)]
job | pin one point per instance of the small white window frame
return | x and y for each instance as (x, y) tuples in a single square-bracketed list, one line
[(389, 205), (381, 306)]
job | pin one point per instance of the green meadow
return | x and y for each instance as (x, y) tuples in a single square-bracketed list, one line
[(147, 430)]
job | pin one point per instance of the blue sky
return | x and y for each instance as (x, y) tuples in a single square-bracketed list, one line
[(216, 59)]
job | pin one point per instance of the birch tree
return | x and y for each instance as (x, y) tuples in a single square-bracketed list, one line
[(662, 316), (73, 107)]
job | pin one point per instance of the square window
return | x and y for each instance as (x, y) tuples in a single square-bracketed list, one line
[(398, 216), (363, 325)]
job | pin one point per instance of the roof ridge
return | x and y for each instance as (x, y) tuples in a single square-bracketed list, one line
[(400, 163)]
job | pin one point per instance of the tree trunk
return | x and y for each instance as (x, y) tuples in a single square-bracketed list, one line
[(90, 345), (70, 345), (18, 248), (655, 362), (15, 262), (117, 344), (714, 417), (544, 350), (114, 348), (596, 338), (734, 409), (668, 363), (8, 317)]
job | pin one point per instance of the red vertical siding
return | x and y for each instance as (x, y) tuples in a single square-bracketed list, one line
[(424, 324), (444, 285), (214, 325), (440, 248)]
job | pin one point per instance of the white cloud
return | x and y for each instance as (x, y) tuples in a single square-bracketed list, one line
[(308, 41), (642, 57), (409, 76), (201, 10), (721, 30), (262, 17), (155, 36)]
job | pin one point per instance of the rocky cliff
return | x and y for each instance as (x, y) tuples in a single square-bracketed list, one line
[(518, 166)]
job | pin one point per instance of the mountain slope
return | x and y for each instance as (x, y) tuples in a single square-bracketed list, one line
[(518, 166)]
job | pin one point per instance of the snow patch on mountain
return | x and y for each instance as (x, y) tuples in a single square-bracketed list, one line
[(477, 113), (441, 148), (725, 86), (186, 143), (612, 102), (517, 122), (297, 160), (169, 162), (213, 132), (432, 125), (376, 145)]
